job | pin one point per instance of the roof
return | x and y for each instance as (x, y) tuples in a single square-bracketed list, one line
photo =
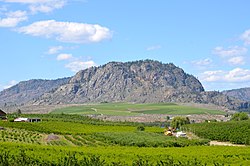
[(21, 119), (2, 113)]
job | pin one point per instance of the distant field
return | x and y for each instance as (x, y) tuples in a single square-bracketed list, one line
[(126, 109)]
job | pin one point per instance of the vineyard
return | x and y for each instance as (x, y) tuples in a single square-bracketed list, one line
[(234, 131), (62, 139)]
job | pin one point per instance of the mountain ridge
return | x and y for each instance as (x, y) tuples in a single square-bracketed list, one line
[(25, 91), (144, 81), (241, 93)]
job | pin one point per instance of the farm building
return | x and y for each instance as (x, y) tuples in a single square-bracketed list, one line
[(27, 120), (21, 120), (2, 114)]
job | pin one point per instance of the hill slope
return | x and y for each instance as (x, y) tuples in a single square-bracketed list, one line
[(140, 81), (28, 90), (242, 94)]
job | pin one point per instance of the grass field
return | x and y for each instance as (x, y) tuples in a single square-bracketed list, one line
[(127, 109)]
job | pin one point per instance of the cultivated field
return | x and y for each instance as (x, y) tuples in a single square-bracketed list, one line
[(62, 139), (127, 109)]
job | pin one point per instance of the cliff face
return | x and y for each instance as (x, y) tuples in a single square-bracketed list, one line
[(28, 90)]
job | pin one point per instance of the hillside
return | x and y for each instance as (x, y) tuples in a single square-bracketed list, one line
[(28, 90), (242, 94), (140, 82)]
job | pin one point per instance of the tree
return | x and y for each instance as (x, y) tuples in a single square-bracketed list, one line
[(140, 127), (19, 112), (240, 116), (178, 121)]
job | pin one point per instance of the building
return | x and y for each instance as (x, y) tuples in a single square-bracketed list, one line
[(27, 120), (34, 119), (21, 120), (2, 114)]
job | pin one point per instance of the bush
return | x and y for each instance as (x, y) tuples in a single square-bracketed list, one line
[(140, 128)]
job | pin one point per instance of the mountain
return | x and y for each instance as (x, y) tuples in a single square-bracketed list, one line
[(28, 90), (242, 94), (139, 81)]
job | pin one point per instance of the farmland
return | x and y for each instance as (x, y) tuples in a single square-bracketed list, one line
[(62, 139), (128, 109)]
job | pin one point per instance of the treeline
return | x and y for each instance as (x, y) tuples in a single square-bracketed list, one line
[(237, 132)]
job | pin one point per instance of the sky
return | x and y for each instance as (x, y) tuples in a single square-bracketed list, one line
[(50, 39)]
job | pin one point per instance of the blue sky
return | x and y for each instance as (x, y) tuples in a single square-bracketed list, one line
[(49, 39)]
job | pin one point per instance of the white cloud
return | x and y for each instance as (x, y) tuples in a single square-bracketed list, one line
[(55, 49), (61, 57), (151, 48), (211, 76), (235, 75), (79, 65), (44, 6), (13, 18), (202, 62), (238, 60), (10, 84), (246, 37), (48, 6), (230, 51), (70, 32)]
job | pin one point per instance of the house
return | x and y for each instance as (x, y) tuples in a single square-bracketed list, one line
[(2, 114), (21, 120), (27, 120)]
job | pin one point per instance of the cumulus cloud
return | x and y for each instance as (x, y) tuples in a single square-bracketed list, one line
[(235, 75), (78, 65), (13, 18), (55, 49), (61, 57), (238, 60), (70, 32), (202, 62), (246, 37), (151, 48), (230, 51), (44, 6)]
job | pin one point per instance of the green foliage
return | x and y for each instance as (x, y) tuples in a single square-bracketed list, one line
[(144, 139), (21, 154), (140, 127), (233, 131), (178, 121), (240, 116), (85, 141)]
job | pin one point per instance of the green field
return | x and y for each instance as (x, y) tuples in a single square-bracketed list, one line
[(127, 109), (63, 139)]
